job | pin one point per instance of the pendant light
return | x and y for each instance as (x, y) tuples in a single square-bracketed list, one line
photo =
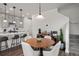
[(21, 16), (5, 20), (14, 14), (40, 16)]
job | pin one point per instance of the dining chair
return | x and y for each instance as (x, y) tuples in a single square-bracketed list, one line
[(48, 37), (54, 51), (27, 37), (22, 36), (28, 51)]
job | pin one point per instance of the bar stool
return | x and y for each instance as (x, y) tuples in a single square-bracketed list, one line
[(22, 37), (3, 39), (15, 40)]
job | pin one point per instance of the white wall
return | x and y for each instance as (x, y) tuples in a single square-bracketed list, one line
[(74, 25), (27, 25), (54, 20), (66, 36), (74, 29), (72, 11)]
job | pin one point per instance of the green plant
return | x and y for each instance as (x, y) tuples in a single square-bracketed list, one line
[(61, 35)]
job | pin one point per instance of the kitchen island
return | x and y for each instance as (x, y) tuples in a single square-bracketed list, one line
[(10, 36)]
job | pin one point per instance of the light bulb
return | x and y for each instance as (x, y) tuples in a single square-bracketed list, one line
[(14, 21), (5, 20), (40, 17), (11, 9), (20, 22)]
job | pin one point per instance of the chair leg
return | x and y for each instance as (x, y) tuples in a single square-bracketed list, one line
[(20, 40), (0, 49), (13, 43), (16, 42), (6, 44), (0, 46)]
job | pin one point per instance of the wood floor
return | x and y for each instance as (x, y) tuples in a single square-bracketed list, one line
[(17, 51)]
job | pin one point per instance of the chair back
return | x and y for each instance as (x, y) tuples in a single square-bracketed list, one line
[(48, 37), (27, 37), (27, 50), (4, 38), (24, 35), (56, 48)]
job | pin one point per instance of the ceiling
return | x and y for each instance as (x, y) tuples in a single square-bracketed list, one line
[(30, 9), (71, 11), (68, 9)]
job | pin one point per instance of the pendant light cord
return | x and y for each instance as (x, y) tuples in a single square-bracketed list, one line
[(39, 8), (14, 12), (5, 10), (21, 13)]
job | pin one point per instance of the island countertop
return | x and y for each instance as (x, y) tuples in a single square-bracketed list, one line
[(7, 33)]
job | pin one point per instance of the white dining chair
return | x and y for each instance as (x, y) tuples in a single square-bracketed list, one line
[(28, 51), (48, 37), (54, 51)]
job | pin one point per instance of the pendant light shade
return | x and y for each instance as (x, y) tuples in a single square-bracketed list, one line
[(40, 16), (5, 20), (14, 21), (14, 14)]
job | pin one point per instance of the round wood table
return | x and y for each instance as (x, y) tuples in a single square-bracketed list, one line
[(43, 44)]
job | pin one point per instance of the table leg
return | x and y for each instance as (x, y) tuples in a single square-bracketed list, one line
[(41, 51)]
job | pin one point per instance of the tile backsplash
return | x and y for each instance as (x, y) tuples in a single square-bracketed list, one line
[(10, 19)]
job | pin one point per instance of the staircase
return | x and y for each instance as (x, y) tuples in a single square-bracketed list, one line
[(74, 44)]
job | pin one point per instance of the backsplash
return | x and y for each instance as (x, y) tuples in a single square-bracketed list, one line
[(10, 20)]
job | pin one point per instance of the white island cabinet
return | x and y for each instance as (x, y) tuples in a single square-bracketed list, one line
[(10, 35)]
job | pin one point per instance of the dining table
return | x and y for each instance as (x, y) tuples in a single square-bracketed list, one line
[(41, 44)]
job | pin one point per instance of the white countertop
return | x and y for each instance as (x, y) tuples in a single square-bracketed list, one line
[(7, 33)]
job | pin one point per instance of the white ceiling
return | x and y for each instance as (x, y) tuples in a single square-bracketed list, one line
[(30, 9), (71, 11)]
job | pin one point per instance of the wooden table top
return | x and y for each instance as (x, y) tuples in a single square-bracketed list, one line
[(43, 44)]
